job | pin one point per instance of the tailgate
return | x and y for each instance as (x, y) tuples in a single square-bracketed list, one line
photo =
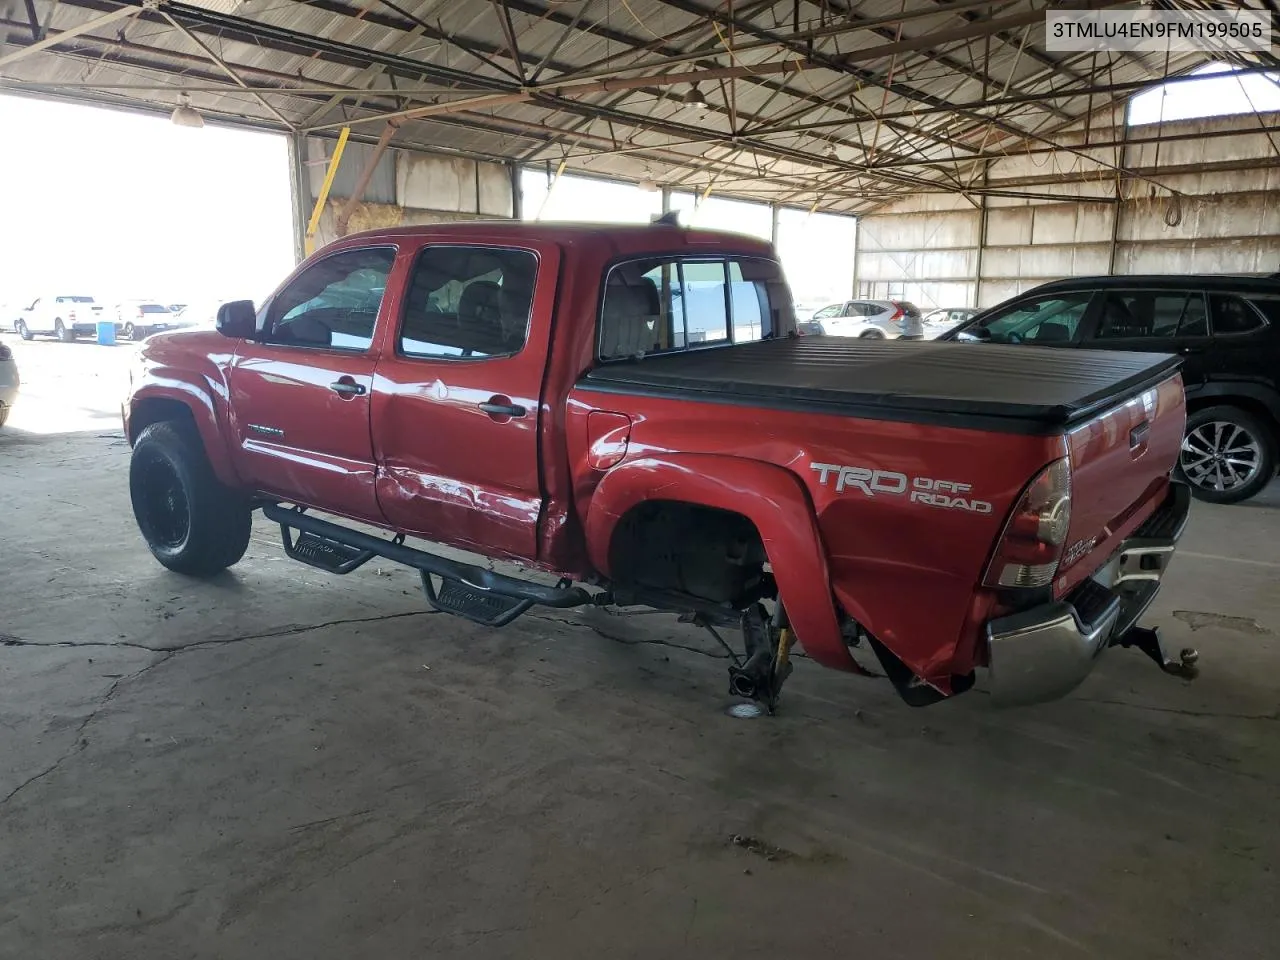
[(1120, 465)]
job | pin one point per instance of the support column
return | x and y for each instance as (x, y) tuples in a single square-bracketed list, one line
[(666, 199), (517, 192), (982, 242), (300, 193), (857, 247), (773, 225), (1119, 205)]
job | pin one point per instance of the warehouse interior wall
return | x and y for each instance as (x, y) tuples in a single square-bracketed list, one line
[(1208, 201), (405, 189)]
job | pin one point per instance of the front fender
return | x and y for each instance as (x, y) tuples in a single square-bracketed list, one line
[(770, 497), (197, 384)]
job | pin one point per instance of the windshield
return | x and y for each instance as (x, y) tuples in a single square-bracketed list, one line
[(1052, 318)]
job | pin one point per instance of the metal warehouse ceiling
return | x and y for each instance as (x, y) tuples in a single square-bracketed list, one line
[(835, 104)]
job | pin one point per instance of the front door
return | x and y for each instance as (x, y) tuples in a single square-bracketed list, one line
[(457, 402), (300, 394), (1155, 321)]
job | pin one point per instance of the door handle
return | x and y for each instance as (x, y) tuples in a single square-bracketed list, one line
[(503, 409), (347, 387)]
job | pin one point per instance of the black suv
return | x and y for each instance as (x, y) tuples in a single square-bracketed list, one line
[(1226, 328)]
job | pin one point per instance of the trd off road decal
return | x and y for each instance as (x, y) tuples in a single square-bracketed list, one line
[(948, 494)]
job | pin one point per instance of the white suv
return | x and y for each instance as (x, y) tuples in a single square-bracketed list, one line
[(876, 319), (60, 316)]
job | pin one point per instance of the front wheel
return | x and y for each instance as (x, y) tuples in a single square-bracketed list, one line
[(190, 521), (131, 332), (1228, 454), (871, 335), (23, 332), (62, 333)]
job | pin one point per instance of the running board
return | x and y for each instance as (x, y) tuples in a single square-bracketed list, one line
[(478, 581)]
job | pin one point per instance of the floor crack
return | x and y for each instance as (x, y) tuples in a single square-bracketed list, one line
[(8, 640), (714, 655), (1274, 715), (78, 743)]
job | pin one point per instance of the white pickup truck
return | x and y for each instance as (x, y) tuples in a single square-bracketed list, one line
[(62, 316)]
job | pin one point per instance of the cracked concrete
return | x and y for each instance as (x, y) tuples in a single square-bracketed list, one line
[(281, 763)]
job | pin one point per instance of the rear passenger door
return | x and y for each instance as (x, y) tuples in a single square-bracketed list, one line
[(458, 399), (300, 392), (1156, 321)]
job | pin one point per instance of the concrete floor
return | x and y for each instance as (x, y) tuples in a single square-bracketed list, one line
[(279, 763)]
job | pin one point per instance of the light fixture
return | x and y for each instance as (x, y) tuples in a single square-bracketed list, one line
[(647, 183), (185, 115), (694, 100)]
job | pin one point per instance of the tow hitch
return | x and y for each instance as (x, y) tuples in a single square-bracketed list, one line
[(1147, 639)]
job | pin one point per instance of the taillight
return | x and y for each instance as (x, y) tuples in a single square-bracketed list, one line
[(140, 313), (1031, 545)]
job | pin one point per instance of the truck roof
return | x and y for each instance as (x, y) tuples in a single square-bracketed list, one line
[(626, 237)]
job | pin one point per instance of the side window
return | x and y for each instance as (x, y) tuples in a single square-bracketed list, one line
[(1052, 318), (1150, 315), (826, 313), (1269, 307), (855, 309), (333, 303), (468, 303), (1231, 315), (668, 303)]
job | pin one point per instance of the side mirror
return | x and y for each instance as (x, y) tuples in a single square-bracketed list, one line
[(238, 320)]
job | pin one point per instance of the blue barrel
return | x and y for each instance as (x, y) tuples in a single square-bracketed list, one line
[(106, 333)]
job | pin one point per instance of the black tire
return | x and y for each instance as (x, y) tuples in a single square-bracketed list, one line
[(872, 334), (1228, 454), (62, 333), (23, 332), (131, 332), (4, 416), (191, 522)]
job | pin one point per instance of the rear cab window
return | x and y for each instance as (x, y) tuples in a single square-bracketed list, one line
[(666, 303)]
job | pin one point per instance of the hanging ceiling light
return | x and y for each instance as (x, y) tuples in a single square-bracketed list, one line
[(185, 115), (694, 100), (647, 183)]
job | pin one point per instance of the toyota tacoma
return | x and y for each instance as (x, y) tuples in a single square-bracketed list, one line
[(630, 410)]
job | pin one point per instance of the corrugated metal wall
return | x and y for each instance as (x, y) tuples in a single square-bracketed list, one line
[(408, 188), (929, 248)]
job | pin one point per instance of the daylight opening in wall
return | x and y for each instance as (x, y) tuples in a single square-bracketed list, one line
[(1214, 90)]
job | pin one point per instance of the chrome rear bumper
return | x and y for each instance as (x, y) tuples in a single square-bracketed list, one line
[(1044, 653)]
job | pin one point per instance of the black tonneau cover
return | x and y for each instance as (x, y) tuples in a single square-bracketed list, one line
[(1018, 388)]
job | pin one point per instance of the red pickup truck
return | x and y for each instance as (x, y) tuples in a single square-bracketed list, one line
[(631, 410)]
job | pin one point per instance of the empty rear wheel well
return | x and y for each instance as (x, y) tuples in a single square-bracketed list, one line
[(714, 554), (158, 410)]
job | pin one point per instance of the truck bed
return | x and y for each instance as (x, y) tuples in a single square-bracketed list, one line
[(1021, 389)]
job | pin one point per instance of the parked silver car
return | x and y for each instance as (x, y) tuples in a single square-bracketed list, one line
[(874, 319), (9, 382)]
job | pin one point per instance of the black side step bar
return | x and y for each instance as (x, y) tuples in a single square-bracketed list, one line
[(478, 578)]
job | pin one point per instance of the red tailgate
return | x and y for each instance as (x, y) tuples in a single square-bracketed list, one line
[(1120, 464)]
